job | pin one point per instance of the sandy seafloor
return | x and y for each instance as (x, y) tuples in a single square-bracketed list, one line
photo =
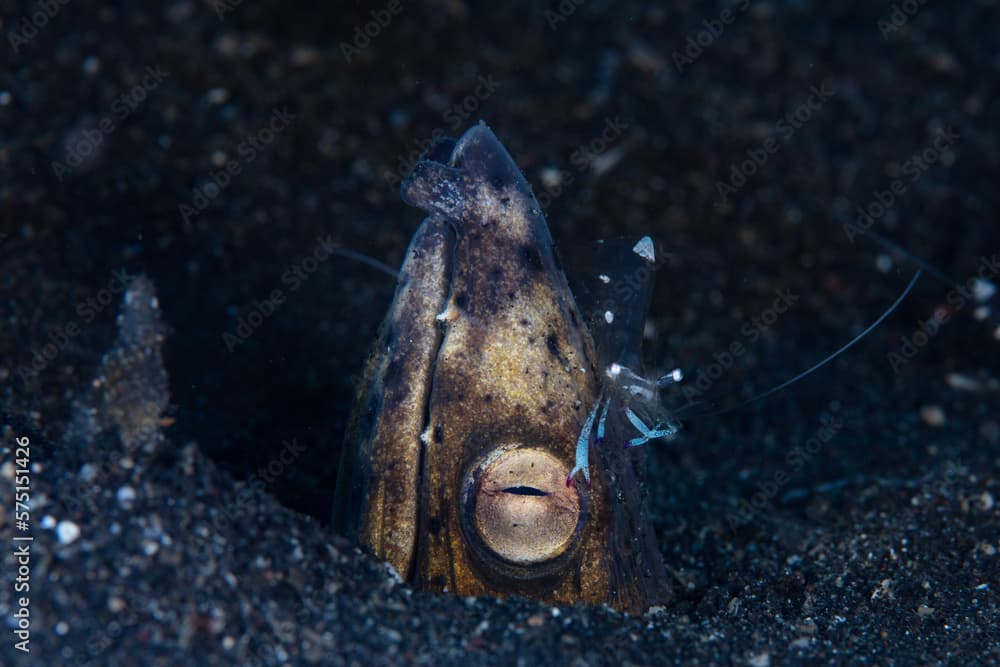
[(160, 537)]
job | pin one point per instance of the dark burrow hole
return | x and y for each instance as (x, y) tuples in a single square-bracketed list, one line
[(272, 411)]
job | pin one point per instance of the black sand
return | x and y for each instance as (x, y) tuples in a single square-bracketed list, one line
[(867, 535)]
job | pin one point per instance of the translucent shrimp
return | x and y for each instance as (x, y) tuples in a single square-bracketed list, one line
[(616, 301), (623, 298)]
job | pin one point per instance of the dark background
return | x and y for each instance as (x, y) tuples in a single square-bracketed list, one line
[(560, 73)]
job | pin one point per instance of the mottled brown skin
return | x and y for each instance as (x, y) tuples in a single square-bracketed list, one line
[(384, 432), (512, 365)]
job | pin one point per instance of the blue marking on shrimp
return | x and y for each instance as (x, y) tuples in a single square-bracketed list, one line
[(660, 431), (640, 425), (583, 446), (651, 435), (600, 423), (582, 463)]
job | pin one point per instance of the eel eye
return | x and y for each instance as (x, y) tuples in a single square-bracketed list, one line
[(519, 511)]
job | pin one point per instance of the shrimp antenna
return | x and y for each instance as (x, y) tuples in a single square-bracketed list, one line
[(989, 294), (892, 246), (817, 366), (365, 259)]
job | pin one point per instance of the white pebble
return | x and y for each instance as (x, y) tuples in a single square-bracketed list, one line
[(217, 96), (883, 263), (964, 382), (984, 290), (67, 532), (933, 415), (551, 177), (126, 497), (91, 65)]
